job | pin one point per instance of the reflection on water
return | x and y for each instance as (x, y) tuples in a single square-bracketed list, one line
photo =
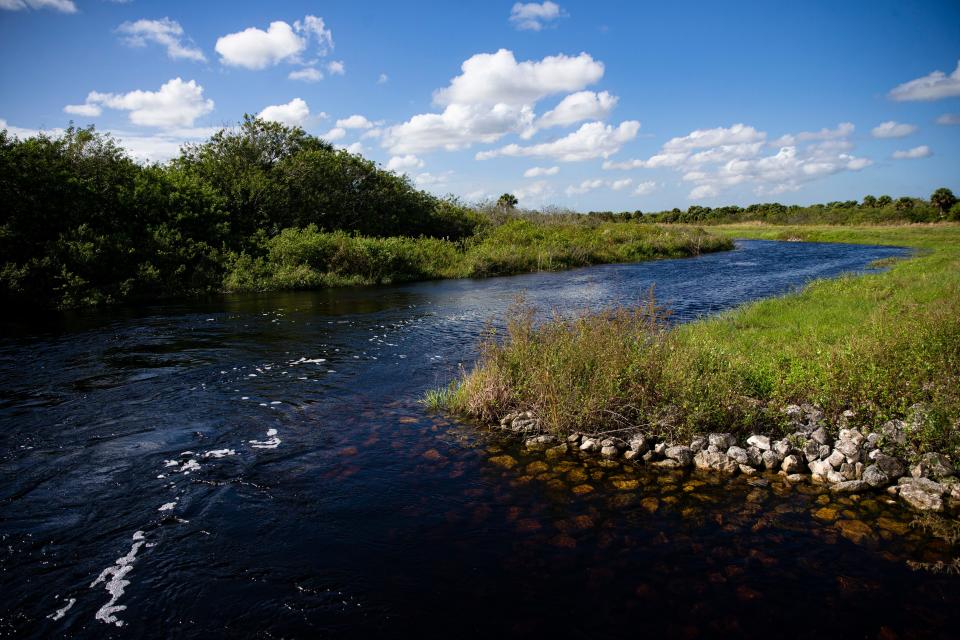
[(257, 466)]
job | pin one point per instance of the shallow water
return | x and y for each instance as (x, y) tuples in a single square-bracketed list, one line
[(259, 466)]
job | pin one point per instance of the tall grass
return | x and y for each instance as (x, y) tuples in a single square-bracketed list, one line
[(876, 344), (309, 258)]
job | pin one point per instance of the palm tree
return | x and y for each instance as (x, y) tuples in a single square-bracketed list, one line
[(507, 201)]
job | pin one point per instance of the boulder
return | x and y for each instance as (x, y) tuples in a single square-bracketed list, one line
[(791, 464), (722, 441), (820, 469), (933, 465), (747, 470), (698, 444), (849, 486), (739, 455), (875, 477), (771, 460), (894, 432), (574, 439), (639, 443), (609, 451), (755, 456), (683, 455), (851, 435), (849, 449), (820, 436), (825, 451), (848, 471), (714, 462), (921, 494), (811, 450), (835, 459), (590, 445), (760, 442)]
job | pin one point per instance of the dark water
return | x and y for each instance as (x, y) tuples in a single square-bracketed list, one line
[(335, 506)]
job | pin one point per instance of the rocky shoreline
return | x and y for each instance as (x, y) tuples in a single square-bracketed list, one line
[(836, 455)]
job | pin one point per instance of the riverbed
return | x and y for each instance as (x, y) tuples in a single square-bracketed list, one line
[(260, 466)]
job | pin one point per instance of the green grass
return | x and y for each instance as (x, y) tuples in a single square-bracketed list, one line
[(308, 258), (876, 344)]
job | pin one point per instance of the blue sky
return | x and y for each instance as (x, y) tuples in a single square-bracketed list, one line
[(585, 105)]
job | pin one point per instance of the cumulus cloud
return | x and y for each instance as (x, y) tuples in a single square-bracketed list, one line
[(949, 118), (892, 129), (307, 74), (842, 130), (256, 49), (530, 16), (492, 78), (165, 32), (537, 191), (536, 172), (923, 151), (591, 140), (590, 185), (713, 160), (355, 121), (933, 86), (336, 67), (175, 104), (493, 96), (577, 107), (427, 179), (63, 6), (85, 110), (645, 188), (409, 161), (337, 133), (292, 114)]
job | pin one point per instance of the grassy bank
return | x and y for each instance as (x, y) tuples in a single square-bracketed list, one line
[(308, 258), (876, 344)]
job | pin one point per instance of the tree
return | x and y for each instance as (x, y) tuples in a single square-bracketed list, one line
[(943, 199), (507, 202), (904, 204), (869, 202), (884, 201)]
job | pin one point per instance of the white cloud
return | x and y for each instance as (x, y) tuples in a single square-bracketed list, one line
[(491, 78), (336, 67), (577, 107), (892, 129), (376, 132), (355, 148), (705, 138), (383, 79), (933, 86), (531, 16), (713, 160), (591, 140), (457, 127), (409, 161), (337, 133), (949, 118), (64, 6), (536, 172), (292, 114), (355, 121), (843, 130), (923, 151), (164, 32), (256, 49), (427, 179), (493, 96), (86, 110), (307, 74), (537, 191), (176, 104), (645, 188), (590, 185)]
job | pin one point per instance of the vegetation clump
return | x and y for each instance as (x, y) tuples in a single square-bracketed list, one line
[(877, 344)]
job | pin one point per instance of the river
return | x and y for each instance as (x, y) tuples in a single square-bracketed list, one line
[(260, 467)]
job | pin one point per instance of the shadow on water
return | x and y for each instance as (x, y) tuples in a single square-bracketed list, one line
[(258, 466)]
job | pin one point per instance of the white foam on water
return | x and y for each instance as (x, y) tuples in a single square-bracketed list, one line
[(276, 402), (219, 453), (167, 506), (188, 466), (59, 613), (272, 441), (117, 583)]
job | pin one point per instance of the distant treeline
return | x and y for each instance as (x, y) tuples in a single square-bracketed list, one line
[(264, 207), (942, 205)]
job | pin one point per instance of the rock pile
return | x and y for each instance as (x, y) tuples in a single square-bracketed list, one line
[(850, 462)]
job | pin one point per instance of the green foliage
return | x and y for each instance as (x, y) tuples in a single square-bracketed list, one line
[(877, 344), (507, 201), (943, 199)]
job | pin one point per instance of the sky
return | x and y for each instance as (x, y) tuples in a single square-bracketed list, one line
[(582, 105)]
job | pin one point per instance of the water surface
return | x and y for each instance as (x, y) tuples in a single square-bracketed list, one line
[(258, 466)]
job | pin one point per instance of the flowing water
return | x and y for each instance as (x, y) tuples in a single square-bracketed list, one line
[(259, 466)]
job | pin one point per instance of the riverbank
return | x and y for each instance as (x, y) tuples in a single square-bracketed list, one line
[(310, 259), (860, 351)]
